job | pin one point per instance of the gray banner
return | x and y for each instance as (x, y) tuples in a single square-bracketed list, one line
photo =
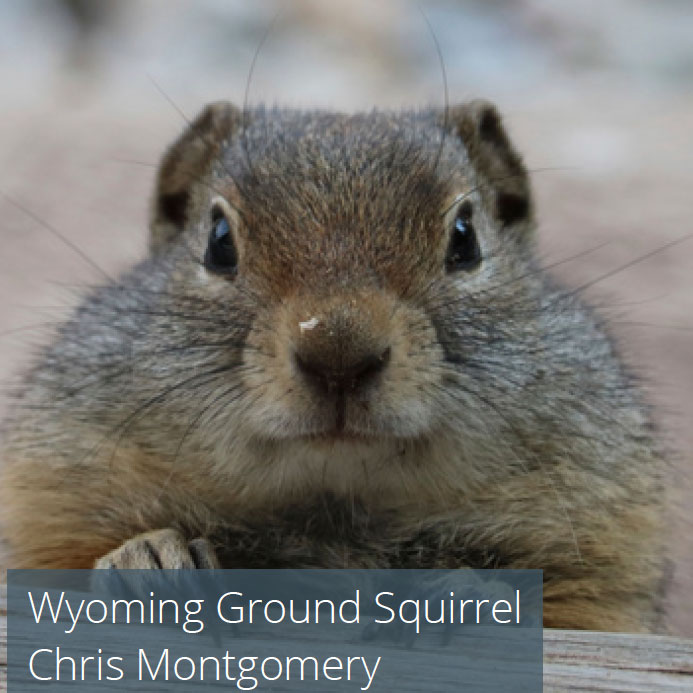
[(275, 630)]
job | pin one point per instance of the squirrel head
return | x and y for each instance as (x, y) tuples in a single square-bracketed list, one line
[(366, 269)]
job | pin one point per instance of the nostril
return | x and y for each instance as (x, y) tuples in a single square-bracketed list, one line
[(345, 377), (316, 371), (309, 367), (371, 366)]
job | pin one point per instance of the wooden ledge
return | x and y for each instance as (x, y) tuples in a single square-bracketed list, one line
[(587, 661)]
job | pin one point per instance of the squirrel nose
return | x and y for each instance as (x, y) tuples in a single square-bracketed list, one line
[(347, 377)]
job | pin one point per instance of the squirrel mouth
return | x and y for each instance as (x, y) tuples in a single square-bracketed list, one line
[(334, 436), (340, 430), (340, 412)]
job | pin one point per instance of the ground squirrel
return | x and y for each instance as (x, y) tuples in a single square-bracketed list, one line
[(341, 352)]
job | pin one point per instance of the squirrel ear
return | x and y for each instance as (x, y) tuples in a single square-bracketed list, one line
[(184, 164), (503, 180)]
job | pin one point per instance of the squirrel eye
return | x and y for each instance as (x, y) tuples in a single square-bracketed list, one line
[(463, 252), (221, 256)]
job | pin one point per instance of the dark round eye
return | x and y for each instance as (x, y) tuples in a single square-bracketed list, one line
[(463, 252), (221, 256)]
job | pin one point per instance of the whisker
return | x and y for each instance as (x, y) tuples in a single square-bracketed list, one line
[(444, 77), (246, 93), (123, 428), (190, 427), (631, 263), (51, 229)]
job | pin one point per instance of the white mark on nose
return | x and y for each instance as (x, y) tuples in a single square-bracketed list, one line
[(308, 324)]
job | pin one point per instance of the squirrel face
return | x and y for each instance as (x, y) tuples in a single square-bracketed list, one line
[(366, 270)]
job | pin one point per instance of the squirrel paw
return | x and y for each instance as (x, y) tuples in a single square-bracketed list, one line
[(164, 549)]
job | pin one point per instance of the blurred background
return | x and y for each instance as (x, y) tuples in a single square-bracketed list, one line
[(597, 95)]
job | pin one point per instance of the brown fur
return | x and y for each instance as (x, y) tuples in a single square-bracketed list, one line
[(341, 400)]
